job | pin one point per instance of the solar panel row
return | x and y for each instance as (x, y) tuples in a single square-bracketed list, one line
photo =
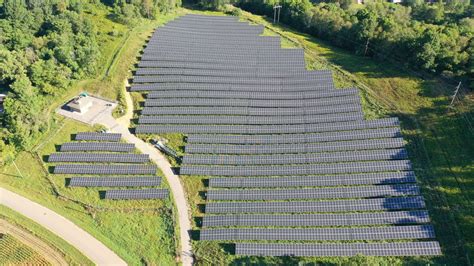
[(248, 120), (302, 158), (350, 145), (302, 169), (228, 80), (99, 146), (223, 66), (270, 61), (343, 100), (296, 138), (266, 129), (98, 157), (314, 181), (119, 181), (214, 73), (353, 205), (120, 169), (248, 111), (232, 87), (136, 194), (430, 248), (95, 136), (251, 95), (315, 193), (303, 220), (321, 234)]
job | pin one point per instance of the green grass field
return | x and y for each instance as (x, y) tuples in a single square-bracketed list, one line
[(71, 255)]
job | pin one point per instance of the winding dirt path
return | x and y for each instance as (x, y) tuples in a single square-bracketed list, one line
[(67, 230)]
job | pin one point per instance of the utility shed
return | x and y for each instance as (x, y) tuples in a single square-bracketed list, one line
[(80, 104)]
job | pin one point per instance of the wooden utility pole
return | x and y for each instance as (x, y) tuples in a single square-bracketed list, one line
[(455, 94), (366, 47), (275, 17)]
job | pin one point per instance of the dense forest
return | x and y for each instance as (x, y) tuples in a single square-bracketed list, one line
[(436, 38), (45, 46)]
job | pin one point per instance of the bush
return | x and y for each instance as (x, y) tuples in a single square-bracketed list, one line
[(237, 12)]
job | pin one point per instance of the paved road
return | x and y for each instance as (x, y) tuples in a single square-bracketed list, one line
[(77, 237), (121, 126)]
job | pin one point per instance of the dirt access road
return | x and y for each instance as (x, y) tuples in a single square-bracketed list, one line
[(121, 126)]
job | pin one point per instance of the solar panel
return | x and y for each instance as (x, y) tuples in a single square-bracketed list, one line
[(98, 157), (162, 102), (250, 95), (229, 80), (380, 204), (296, 148), (215, 30), (302, 158), (269, 44), (329, 219), (296, 138), (222, 66), (136, 194), (314, 181), (250, 120), (431, 248), (315, 193), (288, 61), (303, 169), (119, 169), (95, 136), (218, 73), (267, 129), (200, 45), (325, 234), (251, 111), (97, 146), (120, 181), (232, 87)]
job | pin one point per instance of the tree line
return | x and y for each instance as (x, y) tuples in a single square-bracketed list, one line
[(44, 47), (436, 38)]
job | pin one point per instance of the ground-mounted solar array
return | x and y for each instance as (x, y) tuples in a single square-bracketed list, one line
[(293, 167), (102, 160)]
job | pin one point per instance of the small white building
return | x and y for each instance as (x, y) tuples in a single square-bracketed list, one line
[(80, 104)]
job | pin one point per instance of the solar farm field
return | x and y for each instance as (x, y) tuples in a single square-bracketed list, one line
[(258, 135), (103, 161)]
